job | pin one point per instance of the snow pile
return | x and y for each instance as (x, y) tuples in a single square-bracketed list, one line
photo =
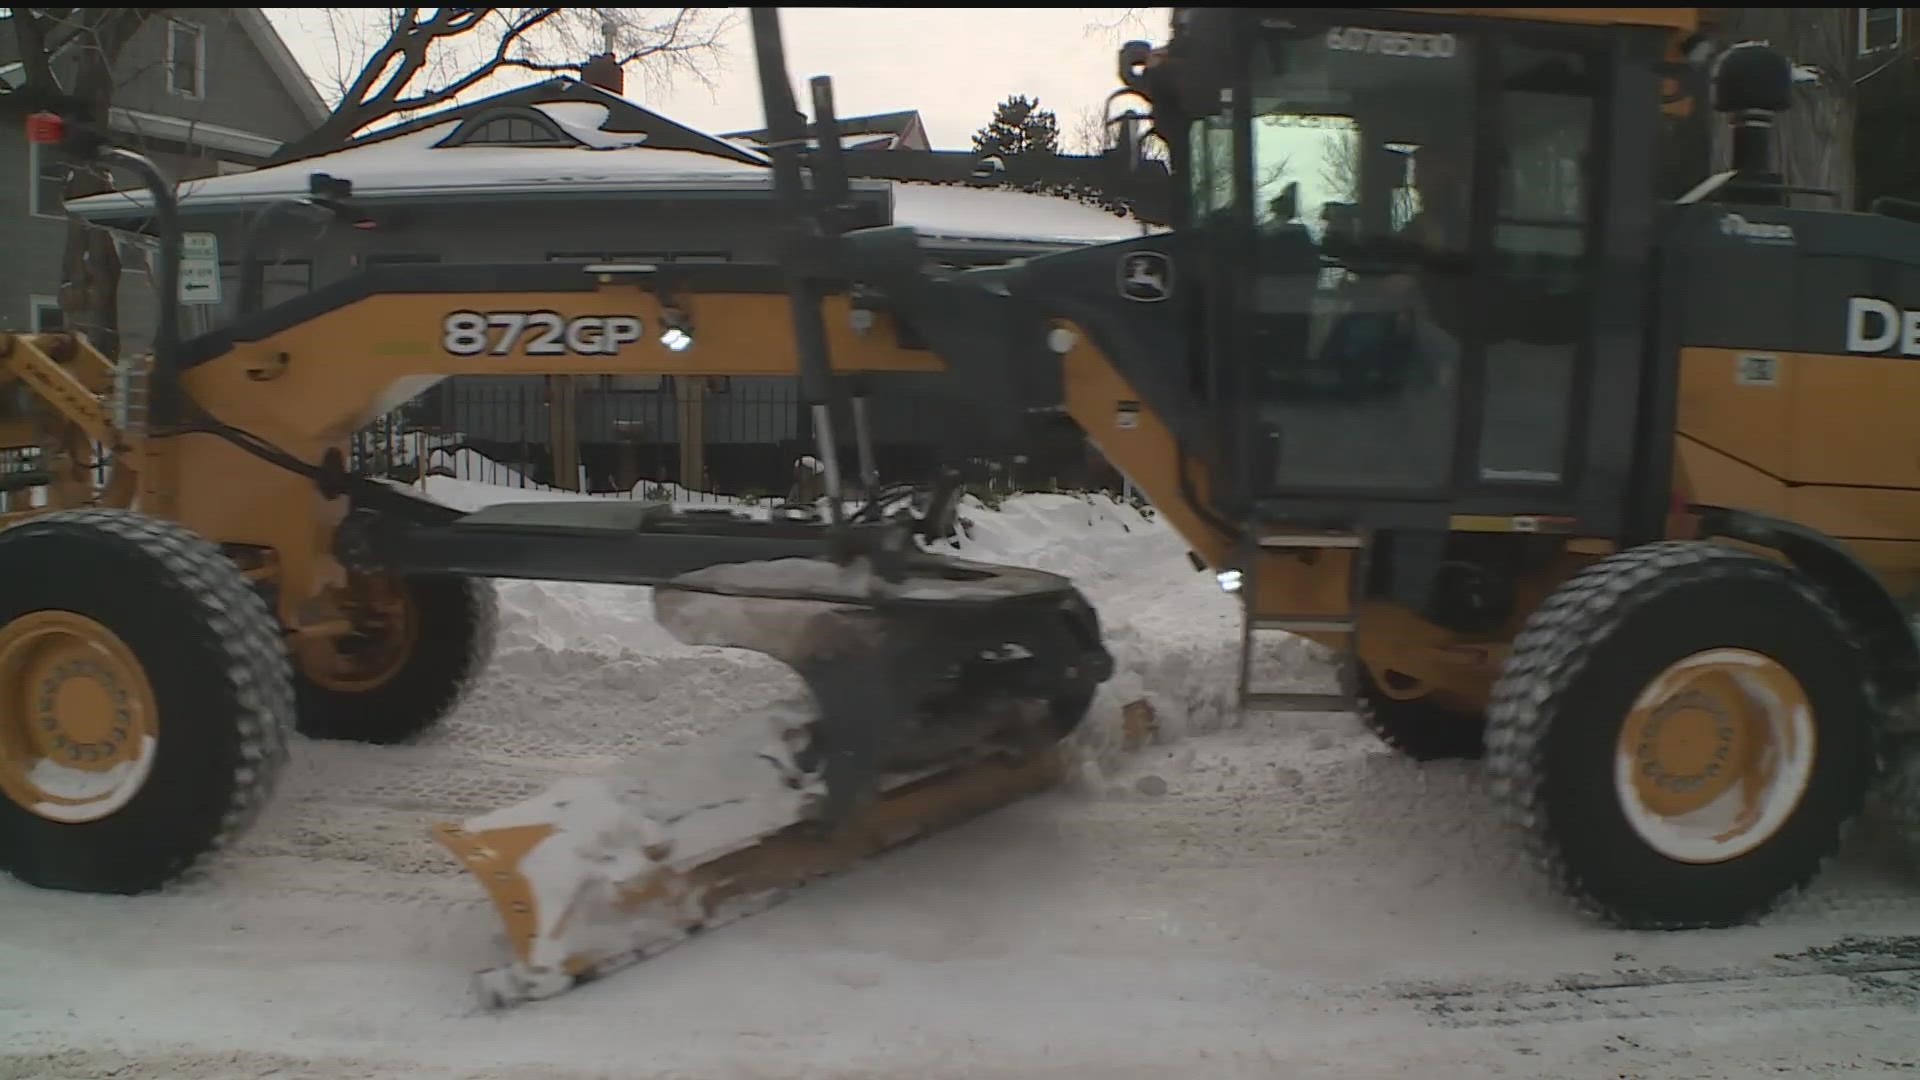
[(1172, 632)]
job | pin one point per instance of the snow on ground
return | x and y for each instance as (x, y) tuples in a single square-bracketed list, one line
[(1276, 898)]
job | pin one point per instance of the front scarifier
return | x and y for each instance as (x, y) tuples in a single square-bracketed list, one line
[(942, 689)]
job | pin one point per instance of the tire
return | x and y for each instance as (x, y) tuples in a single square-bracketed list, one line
[(458, 618), (1564, 698), (1899, 791), (194, 643), (1419, 728)]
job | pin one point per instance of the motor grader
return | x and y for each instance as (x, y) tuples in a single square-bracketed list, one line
[(1607, 482)]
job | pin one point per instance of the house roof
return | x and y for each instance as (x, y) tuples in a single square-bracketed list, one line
[(618, 115), (627, 151), (273, 48), (901, 130)]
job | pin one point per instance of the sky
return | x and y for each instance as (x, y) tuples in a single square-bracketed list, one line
[(952, 64)]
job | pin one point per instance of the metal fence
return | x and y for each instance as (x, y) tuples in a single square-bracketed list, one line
[(752, 433)]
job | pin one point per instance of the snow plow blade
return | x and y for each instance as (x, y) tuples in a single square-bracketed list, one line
[(937, 698)]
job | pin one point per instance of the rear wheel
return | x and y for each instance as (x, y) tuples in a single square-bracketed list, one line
[(1684, 731), (419, 645), (1418, 727), (145, 701)]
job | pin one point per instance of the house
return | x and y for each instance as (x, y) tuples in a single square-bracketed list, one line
[(571, 170), (902, 130), (202, 91)]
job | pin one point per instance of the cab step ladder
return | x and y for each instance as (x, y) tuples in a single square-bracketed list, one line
[(1337, 699)]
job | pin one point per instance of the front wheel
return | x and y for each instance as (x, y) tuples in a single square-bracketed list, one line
[(145, 701), (1684, 732)]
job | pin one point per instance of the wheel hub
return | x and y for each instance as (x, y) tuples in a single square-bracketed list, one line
[(1714, 755), (77, 717), (385, 631)]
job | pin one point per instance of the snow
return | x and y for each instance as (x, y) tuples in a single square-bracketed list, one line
[(948, 211), (583, 120), (411, 165), (1275, 897)]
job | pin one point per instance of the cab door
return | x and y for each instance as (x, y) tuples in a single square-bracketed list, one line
[(1536, 302), (1417, 304)]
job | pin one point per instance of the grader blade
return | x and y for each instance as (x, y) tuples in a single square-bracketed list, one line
[(937, 698)]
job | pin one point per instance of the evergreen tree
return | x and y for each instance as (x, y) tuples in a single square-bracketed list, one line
[(1019, 126)]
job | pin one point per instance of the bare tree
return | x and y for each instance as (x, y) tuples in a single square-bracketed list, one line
[(1089, 134), (94, 38), (393, 62), (1133, 22)]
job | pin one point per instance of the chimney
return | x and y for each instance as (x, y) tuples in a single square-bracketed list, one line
[(601, 71)]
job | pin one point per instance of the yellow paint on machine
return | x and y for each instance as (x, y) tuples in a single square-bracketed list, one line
[(1825, 440)]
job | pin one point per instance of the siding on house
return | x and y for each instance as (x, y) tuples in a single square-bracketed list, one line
[(237, 89), (240, 105)]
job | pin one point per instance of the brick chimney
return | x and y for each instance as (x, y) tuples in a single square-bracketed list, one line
[(601, 71)]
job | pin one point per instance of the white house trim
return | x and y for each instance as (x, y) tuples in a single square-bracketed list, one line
[(34, 209), (191, 132), (199, 91), (35, 305), (1860, 30)]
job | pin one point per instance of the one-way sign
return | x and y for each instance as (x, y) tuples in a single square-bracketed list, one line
[(199, 268)]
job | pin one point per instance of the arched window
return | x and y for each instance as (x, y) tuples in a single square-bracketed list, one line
[(518, 127)]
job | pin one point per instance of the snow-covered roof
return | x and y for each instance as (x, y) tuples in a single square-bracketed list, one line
[(411, 165), (953, 212)]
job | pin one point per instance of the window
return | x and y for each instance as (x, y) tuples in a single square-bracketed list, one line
[(186, 60), (1879, 28), (1362, 174), (46, 313), (1543, 217), (231, 168), (46, 197), (515, 131)]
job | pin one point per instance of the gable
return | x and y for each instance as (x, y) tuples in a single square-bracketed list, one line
[(238, 76)]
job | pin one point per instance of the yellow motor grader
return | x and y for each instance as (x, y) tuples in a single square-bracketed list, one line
[(1608, 482)]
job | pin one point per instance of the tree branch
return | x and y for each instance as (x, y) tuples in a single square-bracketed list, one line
[(499, 60)]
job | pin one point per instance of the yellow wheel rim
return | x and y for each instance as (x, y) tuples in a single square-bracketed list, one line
[(1715, 755), (78, 722), (386, 630)]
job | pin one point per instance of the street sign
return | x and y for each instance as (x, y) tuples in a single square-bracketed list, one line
[(199, 268)]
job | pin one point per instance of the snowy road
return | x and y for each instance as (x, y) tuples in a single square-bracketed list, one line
[(1288, 899)]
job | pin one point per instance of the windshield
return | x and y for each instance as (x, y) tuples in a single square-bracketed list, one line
[(1364, 133), (1363, 146)]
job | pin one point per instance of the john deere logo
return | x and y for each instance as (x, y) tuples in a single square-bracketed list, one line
[(1146, 276)]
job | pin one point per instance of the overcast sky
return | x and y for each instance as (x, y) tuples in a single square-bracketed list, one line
[(952, 64)]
